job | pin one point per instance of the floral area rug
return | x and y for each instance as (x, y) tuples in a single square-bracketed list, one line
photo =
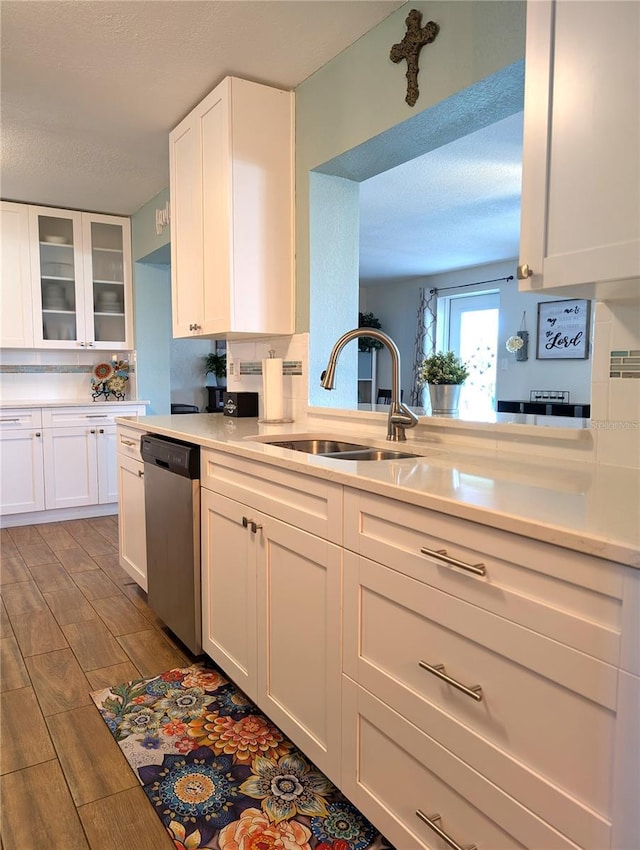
[(220, 775)]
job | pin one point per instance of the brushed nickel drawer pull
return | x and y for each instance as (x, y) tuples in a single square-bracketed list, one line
[(474, 691), (97, 415), (432, 822), (127, 442), (5, 419), (441, 555)]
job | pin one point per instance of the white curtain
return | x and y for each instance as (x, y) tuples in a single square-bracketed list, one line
[(425, 338)]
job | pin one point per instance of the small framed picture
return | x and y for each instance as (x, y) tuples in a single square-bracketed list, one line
[(563, 330)]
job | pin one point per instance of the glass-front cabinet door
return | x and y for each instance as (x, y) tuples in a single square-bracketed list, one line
[(81, 267), (108, 272), (57, 269)]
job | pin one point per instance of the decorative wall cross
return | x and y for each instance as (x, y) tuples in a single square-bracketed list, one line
[(409, 48)]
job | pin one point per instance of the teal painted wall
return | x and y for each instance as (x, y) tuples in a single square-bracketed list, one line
[(152, 305), (147, 244), (152, 317)]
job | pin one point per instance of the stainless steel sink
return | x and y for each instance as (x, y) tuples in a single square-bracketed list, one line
[(338, 449), (371, 454), (316, 447)]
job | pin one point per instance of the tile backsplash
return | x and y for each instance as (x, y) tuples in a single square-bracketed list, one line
[(244, 369), (45, 374)]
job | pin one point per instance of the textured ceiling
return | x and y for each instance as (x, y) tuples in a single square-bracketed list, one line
[(90, 90), (455, 207)]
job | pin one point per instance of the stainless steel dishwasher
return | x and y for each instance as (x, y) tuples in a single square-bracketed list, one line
[(172, 513)]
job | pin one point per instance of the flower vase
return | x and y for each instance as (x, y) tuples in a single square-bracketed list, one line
[(444, 398)]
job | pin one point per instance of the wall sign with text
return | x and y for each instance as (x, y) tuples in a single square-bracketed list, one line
[(563, 330)]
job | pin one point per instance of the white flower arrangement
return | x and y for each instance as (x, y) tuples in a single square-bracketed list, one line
[(514, 343)]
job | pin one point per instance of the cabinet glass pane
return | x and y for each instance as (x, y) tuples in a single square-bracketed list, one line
[(57, 278), (107, 262)]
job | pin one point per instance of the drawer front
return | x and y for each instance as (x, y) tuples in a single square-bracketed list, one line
[(64, 417), (24, 417), (308, 503), (573, 598), (391, 771), (545, 715), (128, 442)]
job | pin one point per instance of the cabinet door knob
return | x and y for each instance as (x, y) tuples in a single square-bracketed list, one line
[(82, 345), (92, 431), (38, 434), (89, 345), (140, 474), (524, 271), (101, 431)]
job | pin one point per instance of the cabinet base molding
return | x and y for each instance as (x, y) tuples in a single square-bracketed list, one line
[(59, 515)]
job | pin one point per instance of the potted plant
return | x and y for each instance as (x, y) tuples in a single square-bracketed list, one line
[(216, 364), (367, 343), (443, 373)]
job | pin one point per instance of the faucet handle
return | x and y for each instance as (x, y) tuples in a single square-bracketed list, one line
[(400, 418)]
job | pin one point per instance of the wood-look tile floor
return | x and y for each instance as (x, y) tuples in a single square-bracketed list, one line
[(71, 622)]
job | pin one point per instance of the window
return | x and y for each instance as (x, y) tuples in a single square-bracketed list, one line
[(468, 325)]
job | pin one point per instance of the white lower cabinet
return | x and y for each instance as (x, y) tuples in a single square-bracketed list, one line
[(400, 778), (482, 689), (485, 664), (81, 465), (59, 459), (107, 464), (71, 467), (21, 468), (229, 629), (271, 612), (132, 537)]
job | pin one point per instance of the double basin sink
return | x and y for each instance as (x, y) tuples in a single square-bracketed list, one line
[(337, 449)]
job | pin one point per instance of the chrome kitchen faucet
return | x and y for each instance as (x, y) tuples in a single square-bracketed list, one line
[(400, 417)]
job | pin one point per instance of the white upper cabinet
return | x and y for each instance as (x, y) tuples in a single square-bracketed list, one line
[(581, 174), (16, 316), (81, 279), (231, 182)]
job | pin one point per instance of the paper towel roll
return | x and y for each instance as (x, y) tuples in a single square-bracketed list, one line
[(272, 389)]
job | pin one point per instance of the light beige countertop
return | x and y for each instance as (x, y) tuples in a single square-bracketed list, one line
[(590, 508)]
